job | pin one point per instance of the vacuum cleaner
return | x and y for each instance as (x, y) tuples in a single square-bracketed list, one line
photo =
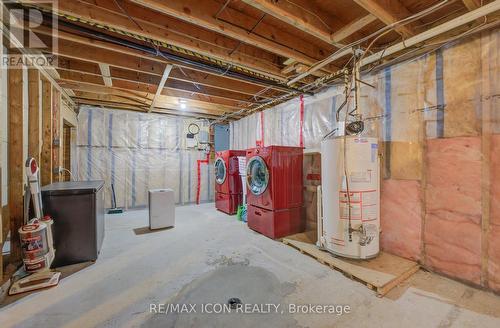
[(37, 243)]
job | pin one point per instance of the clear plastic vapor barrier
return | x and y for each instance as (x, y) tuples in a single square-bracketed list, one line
[(136, 152)]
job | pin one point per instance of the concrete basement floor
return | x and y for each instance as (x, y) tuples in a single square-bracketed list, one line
[(210, 257)]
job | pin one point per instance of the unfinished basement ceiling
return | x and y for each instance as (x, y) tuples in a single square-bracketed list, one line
[(230, 57)]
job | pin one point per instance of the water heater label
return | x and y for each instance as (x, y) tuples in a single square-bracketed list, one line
[(363, 205), (361, 177), (358, 212)]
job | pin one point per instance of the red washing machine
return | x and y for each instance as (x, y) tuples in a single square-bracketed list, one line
[(274, 190), (228, 186)]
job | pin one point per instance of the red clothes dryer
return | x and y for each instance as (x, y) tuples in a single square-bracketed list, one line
[(228, 186), (274, 190)]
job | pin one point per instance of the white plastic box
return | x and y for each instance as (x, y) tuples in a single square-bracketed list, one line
[(161, 208)]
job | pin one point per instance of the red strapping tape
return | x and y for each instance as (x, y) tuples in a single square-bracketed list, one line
[(301, 131), (198, 163)]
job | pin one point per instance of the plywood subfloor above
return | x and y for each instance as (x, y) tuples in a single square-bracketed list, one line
[(381, 274)]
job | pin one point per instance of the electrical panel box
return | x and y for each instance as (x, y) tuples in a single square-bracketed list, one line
[(191, 141)]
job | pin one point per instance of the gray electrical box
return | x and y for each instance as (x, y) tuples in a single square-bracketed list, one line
[(221, 137)]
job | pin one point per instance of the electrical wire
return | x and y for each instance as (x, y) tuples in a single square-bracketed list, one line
[(318, 81), (312, 13), (66, 170), (441, 44), (378, 34), (389, 27)]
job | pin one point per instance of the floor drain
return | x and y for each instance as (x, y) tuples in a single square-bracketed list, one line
[(234, 302)]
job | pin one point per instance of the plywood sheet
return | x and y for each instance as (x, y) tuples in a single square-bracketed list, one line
[(453, 207), (401, 218), (462, 88), (381, 273), (406, 160)]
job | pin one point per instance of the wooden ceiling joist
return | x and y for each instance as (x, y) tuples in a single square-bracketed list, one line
[(68, 66), (202, 14), (472, 4), (389, 12), (142, 95), (298, 18), (107, 99), (99, 16), (306, 22), (218, 57), (353, 27), (88, 100), (142, 83), (70, 46)]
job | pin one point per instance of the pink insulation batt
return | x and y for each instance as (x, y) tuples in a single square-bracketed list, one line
[(401, 218), (453, 207), (494, 236)]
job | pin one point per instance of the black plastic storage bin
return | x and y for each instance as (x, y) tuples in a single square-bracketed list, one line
[(78, 212)]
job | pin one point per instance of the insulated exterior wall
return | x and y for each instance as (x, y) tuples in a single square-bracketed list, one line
[(494, 234), (401, 212), (452, 235), (435, 117), (137, 152)]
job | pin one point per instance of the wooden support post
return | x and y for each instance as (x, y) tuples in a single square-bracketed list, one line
[(46, 155), (15, 151), (34, 114), (487, 45), (56, 133)]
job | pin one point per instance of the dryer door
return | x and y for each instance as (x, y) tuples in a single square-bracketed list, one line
[(257, 175), (220, 171)]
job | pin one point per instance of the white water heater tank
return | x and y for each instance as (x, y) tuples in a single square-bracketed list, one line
[(349, 224)]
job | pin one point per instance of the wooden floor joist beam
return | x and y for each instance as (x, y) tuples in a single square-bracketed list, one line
[(294, 16), (472, 4), (202, 14), (308, 22), (389, 11), (148, 84), (137, 57), (99, 16), (107, 99), (175, 89), (144, 96)]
